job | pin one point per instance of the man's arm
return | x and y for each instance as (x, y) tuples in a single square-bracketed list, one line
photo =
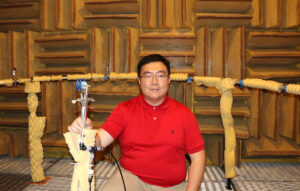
[(103, 138), (196, 171)]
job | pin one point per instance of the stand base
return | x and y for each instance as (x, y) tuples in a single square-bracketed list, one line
[(229, 183)]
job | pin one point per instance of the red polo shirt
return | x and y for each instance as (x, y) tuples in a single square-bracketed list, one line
[(154, 139)]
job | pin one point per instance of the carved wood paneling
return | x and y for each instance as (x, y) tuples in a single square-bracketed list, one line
[(15, 15)]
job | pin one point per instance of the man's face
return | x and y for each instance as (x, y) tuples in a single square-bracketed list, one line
[(154, 82)]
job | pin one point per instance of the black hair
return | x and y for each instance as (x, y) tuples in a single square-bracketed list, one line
[(153, 58)]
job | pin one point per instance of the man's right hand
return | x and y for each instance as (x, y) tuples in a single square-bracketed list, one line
[(77, 125)]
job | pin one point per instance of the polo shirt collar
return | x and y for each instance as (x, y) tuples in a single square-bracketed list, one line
[(163, 105)]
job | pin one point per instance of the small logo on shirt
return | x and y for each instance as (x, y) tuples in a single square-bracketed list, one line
[(172, 132)]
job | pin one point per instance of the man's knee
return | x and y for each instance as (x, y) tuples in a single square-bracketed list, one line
[(111, 186)]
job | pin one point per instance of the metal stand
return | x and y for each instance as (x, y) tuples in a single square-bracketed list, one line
[(229, 183)]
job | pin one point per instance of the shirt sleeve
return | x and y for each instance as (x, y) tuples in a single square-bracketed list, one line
[(193, 138), (114, 124)]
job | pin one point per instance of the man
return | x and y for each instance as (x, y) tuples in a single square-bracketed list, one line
[(154, 133)]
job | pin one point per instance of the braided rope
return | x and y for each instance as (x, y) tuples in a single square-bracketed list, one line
[(35, 130), (179, 77), (293, 89), (123, 76)]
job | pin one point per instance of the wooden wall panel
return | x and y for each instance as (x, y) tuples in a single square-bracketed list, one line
[(67, 93), (51, 106), (17, 53), (31, 49), (272, 55), (71, 55), (218, 53), (15, 15), (166, 14), (235, 64), (4, 62), (255, 102), (64, 14), (270, 115), (78, 11), (4, 148), (132, 49), (257, 13), (100, 51), (288, 108), (226, 13), (272, 16), (111, 13), (203, 53), (176, 91), (178, 48), (48, 14), (149, 14), (290, 13), (183, 18), (117, 55)]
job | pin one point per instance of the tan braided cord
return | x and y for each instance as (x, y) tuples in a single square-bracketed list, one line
[(82, 158), (293, 89), (35, 131), (179, 77)]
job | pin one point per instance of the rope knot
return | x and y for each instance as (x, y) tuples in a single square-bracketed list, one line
[(226, 84)]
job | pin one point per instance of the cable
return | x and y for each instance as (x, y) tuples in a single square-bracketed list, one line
[(119, 169)]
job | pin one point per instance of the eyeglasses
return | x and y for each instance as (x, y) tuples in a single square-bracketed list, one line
[(159, 76)]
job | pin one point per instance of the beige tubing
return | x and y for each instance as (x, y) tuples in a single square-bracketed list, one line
[(42, 78), (24, 80), (97, 77), (225, 87), (206, 81), (293, 89), (263, 84), (35, 130), (79, 76), (82, 158), (56, 78), (7, 82)]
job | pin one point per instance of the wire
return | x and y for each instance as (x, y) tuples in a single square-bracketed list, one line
[(119, 169)]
